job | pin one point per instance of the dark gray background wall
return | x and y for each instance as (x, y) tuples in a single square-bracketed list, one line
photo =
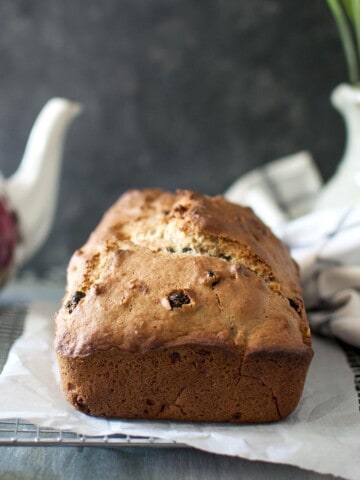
[(176, 93)]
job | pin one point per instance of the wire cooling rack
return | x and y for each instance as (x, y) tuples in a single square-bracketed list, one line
[(15, 432)]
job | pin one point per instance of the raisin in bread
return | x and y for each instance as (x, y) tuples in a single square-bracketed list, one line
[(183, 307)]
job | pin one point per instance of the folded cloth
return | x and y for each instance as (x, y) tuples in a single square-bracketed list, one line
[(326, 244)]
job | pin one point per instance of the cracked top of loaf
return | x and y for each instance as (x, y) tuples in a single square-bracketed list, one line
[(165, 269)]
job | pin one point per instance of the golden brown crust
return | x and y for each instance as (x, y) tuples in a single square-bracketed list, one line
[(176, 273)]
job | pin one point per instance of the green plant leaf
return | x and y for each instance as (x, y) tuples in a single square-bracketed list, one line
[(348, 4), (346, 36), (355, 5)]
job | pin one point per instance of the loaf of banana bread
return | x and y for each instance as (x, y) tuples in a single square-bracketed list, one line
[(184, 307)]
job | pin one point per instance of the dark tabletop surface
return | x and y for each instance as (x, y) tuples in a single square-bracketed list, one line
[(54, 463)]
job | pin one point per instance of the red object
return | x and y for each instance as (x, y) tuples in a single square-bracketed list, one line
[(8, 236)]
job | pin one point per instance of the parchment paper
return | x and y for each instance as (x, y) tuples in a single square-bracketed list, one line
[(323, 434)]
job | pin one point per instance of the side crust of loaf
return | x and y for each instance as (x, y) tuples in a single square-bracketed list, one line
[(188, 383), (183, 307)]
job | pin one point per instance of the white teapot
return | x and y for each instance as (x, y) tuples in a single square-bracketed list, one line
[(28, 198)]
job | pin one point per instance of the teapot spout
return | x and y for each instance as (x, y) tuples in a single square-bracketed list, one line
[(33, 189)]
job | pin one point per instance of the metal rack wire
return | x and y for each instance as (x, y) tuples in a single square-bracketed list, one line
[(15, 432)]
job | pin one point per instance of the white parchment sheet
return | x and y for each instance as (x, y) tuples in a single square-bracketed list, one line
[(323, 434)]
